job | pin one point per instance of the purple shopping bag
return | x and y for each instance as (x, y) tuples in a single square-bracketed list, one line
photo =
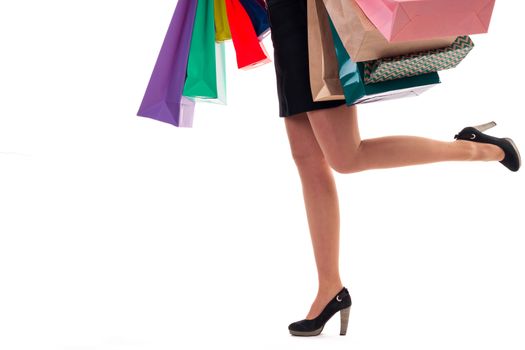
[(163, 100)]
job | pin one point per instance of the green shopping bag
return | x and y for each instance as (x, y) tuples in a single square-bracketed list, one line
[(220, 70), (201, 71), (356, 91)]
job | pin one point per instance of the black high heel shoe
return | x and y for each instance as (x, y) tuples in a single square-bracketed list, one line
[(512, 158), (341, 302)]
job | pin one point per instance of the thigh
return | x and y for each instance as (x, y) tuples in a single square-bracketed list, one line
[(337, 132), (303, 143)]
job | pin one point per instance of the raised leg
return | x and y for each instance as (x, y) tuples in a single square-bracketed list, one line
[(337, 132)]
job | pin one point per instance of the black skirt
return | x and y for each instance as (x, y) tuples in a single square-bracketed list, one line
[(289, 34)]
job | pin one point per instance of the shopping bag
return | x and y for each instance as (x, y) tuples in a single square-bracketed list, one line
[(163, 100), (222, 28), (362, 39), (418, 63), (201, 78), (249, 51), (220, 69), (322, 59), (403, 20), (259, 17), (355, 90)]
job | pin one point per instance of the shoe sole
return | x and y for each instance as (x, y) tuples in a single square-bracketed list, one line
[(344, 314), (305, 333)]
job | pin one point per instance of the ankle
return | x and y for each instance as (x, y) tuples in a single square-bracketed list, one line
[(329, 288)]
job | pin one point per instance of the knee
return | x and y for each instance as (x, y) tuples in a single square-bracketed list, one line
[(346, 167), (347, 163)]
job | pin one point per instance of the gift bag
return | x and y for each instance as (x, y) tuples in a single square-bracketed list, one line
[(355, 91), (404, 20), (249, 51), (362, 39), (201, 77), (417, 63), (222, 28), (163, 100), (323, 66), (259, 17)]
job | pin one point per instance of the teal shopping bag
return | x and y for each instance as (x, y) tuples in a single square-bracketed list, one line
[(356, 91), (204, 57)]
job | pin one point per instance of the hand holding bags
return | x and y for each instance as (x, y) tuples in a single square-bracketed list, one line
[(362, 39), (323, 69), (404, 20), (163, 100)]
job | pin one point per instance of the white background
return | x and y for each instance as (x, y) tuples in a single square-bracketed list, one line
[(121, 232)]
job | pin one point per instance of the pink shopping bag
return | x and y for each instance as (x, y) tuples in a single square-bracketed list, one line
[(406, 20)]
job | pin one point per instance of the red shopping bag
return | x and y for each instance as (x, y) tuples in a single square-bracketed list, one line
[(249, 51)]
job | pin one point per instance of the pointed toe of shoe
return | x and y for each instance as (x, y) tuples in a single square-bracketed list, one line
[(305, 328), (300, 326)]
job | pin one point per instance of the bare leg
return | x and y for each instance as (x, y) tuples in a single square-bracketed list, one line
[(322, 207), (330, 138), (337, 132)]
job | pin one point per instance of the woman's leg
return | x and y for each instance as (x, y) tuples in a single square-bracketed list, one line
[(336, 130), (322, 207)]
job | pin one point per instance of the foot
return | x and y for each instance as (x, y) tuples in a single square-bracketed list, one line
[(487, 151), (511, 158), (483, 151), (324, 295)]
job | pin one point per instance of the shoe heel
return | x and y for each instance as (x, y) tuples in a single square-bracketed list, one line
[(345, 313), (483, 127)]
